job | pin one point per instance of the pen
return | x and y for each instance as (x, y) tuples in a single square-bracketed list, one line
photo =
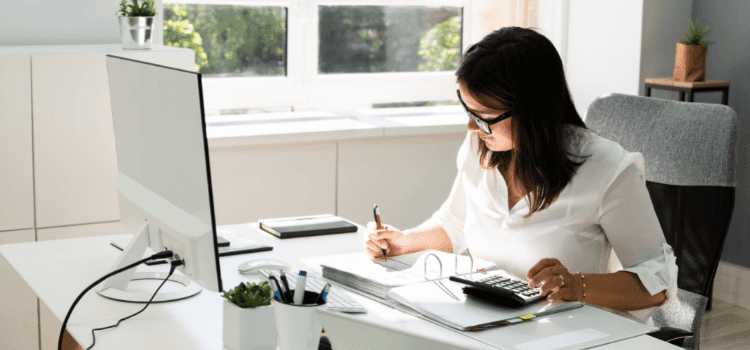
[(299, 291), (323, 293), (275, 284), (559, 309), (275, 292), (287, 292), (379, 226)]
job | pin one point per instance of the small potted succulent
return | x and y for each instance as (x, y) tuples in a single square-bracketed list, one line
[(249, 321), (136, 23), (690, 60)]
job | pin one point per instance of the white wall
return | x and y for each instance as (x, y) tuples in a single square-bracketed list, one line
[(37, 22), (614, 45), (604, 49)]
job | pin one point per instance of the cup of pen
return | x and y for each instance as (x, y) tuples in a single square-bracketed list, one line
[(297, 325)]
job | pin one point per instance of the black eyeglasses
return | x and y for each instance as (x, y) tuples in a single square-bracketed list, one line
[(484, 125)]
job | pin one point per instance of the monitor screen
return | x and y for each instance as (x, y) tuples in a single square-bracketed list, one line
[(163, 166)]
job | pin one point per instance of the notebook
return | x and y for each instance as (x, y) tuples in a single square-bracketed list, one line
[(376, 277), (304, 226)]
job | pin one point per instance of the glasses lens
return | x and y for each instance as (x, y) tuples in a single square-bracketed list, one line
[(481, 123)]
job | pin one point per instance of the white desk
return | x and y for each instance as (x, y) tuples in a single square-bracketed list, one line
[(57, 271)]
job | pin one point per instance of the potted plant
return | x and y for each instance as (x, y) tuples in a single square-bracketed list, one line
[(690, 60), (249, 321), (136, 23)]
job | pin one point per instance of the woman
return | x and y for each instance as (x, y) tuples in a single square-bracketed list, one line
[(538, 193)]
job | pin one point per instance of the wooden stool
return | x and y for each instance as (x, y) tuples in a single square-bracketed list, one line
[(689, 87)]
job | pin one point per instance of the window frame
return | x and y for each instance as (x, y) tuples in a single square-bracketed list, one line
[(303, 88)]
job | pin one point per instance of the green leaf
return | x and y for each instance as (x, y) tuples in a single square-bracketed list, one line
[(695, 34)]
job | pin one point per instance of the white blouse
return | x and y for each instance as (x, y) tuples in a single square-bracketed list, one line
[(605, 207)]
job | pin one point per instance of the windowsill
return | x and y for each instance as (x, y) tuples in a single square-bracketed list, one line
[(299, 127)]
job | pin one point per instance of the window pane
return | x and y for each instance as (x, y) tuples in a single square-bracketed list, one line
[(359, 39), (229, 41)]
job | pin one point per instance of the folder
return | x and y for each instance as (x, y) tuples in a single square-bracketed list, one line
[(466, 313), (376, 277)]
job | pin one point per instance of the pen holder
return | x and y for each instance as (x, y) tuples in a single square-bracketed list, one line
[(297, 326)]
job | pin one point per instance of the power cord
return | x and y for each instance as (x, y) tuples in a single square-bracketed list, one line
[(160, 255), (174, 263)]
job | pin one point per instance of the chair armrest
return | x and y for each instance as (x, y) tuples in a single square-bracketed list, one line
[(671, 335)]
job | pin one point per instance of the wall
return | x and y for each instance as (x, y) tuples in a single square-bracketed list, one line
[(37, 22), (729, 60), (604, 46), (663, 23)]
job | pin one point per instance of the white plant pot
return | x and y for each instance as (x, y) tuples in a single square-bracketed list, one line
[(249, 329)]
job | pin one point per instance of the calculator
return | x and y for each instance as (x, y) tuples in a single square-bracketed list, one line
[(499, 287)]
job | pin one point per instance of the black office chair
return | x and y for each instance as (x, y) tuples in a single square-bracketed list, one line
[(690, 153)]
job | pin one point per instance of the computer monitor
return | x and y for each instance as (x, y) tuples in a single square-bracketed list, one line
[(164, 177)]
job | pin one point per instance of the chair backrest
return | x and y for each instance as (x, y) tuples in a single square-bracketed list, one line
[(690, 156)]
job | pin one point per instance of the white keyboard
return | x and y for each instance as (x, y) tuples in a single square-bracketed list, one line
[(336, 300)]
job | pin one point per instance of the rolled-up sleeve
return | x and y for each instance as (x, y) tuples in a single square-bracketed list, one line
[(628, 218), (452, 214)]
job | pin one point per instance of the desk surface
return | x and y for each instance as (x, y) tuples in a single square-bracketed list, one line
[(57, 271)]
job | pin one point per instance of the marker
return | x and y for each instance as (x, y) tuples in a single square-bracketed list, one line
[(323, 294), (275, 284), (287, 292), (299, 291), (379, 226)]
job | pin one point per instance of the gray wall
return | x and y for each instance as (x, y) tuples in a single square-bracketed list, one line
[(729, 59), (663, 23)]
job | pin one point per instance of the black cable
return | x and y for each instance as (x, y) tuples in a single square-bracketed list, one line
[(159, 255), (174, 263)]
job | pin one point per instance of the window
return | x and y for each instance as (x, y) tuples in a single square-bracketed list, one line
[(229, 40), (293, 55)]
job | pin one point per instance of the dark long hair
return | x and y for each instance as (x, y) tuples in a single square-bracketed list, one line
[(521, 69)]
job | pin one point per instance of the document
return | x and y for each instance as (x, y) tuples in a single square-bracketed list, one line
[(376, 277)]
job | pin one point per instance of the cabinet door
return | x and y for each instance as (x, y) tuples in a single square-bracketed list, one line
[(78, 231), (18, 303), (261, 182), (74, 147), (16, 179), (408, 187)]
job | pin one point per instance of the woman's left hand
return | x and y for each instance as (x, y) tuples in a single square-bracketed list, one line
[(554, 278)]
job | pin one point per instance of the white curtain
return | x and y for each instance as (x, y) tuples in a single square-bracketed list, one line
[(490, 15)]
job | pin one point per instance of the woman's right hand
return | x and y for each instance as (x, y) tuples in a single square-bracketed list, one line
[(387, 238)]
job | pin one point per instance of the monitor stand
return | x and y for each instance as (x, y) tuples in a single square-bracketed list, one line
[(115, 287)]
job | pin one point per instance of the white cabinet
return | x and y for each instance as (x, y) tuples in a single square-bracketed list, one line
[(78, 231), (260, 182), (57, 159), (16, 182), (18, 319), (74, 148), (408, 177)]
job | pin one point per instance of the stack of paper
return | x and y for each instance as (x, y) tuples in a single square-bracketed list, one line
[(378, 277)]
